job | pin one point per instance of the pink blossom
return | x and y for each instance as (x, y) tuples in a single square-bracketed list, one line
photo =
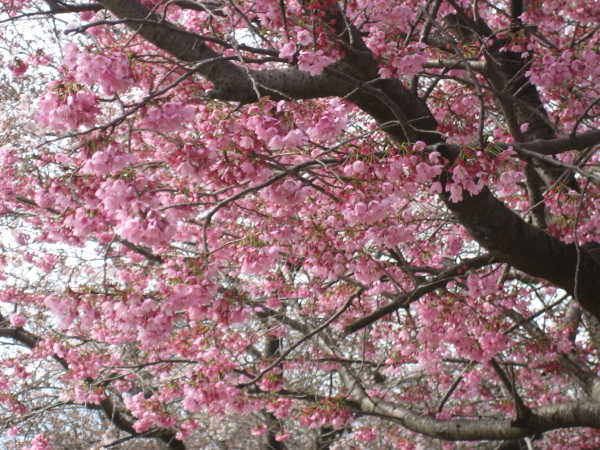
[(112, 73), (172, 116), (365, 435), (260, 431), (18, 67), (108, 161), (288, 193), (67, 107), (86, 16), (294, 138), (313, 63), (159, 256), (17, 320), (288, 51), (330, 124), (419, 146), (303, 36), (282, 437), (427, 172), (40, 442)]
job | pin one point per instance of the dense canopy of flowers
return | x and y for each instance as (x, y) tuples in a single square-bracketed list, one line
[(293, 223)]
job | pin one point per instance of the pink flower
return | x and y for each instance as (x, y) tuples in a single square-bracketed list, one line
[(313, 63), (172, 116), (113, 73), (288, 193), (303, 37), (282, 437), (17, 320), (259, 431), (419, 146), (40, 442), (18, 67), (288, 51), (294, 138), (365, 435), (427, 172), (87, 16)]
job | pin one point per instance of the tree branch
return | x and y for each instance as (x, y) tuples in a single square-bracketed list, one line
[(59, 7), (403, 300), (527, 248), (239, 84), (115, 416), (232, 82), (540, 419), (493, 225), (556, 146)]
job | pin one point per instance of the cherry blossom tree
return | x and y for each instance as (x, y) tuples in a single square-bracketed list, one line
[(300, 224)]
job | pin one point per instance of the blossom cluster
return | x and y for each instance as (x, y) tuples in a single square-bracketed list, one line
[(66, 107), (112, 73), (165, 258)]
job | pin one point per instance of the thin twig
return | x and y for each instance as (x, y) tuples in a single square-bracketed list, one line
[(306, 337)]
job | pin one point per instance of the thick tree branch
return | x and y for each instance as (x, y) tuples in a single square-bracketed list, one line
[(240, 84), (59, 7), (232, 82), (493, 225), (540, 419), (554, 163), (556, 146), (537, 421), (20, 335), (455, 64), (527, 248)]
